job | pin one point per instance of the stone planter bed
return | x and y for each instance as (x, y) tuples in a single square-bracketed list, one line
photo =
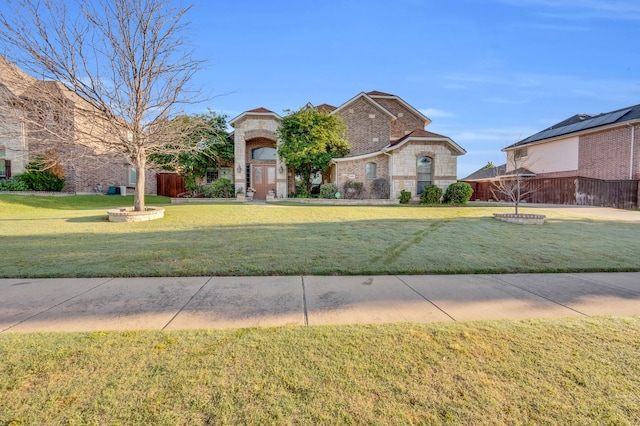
[(204, 200), (126, 214), (341, 201), (521, 219)]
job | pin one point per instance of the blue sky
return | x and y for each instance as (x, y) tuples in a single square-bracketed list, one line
[(487, 72)]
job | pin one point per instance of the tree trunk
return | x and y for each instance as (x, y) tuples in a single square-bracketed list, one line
[(138, 197)]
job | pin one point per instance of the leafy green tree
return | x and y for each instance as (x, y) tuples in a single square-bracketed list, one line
[(208, 142), (310, 139)]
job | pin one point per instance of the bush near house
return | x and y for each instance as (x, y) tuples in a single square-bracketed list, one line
[(405, 197), (14, 183), (328, 190), (221, 188), (458, 193), (431, 194), (40, 177)]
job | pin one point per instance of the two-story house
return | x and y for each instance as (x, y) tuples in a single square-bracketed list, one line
[(44, 117), (388, 141), (587, 159)]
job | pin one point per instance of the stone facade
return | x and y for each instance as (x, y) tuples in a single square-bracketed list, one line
[(405, 163), (256, 129)]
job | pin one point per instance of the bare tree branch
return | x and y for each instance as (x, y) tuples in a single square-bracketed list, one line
[(122, 69)]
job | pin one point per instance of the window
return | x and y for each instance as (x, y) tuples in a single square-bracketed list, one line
[(520, 153), (370, 170), (425, 177), (264, 154), (3, 169), (212, 175), (3, 151), (131, 176)]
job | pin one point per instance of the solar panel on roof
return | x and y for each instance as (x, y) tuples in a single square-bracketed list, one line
[(599, 120)]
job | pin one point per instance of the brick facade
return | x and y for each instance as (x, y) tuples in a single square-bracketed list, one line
[(368, 127), (606, 155), (406, 122)]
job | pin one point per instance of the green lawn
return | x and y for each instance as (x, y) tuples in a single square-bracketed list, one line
[(563, 371), (70, 237), (568, 371)]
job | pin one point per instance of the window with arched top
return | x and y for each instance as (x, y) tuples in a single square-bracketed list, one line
[(371, 170), (264, 154), (425, 173)]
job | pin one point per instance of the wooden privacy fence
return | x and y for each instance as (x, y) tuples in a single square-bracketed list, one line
[(170, 184), (621, 194)]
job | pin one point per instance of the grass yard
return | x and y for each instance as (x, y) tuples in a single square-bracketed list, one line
[(569, 371), (71, 237)]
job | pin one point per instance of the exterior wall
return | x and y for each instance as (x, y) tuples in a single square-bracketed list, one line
[(364, 133), (554, 157), (407, 120), (12, 139), (606, 155), (405, 163), (262, 130), (355, 170)]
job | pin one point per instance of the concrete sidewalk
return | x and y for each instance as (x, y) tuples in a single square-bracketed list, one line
[(28, 305)]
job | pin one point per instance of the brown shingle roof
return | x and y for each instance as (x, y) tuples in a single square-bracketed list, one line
[(326, 107), (419, 133), (260, 110)]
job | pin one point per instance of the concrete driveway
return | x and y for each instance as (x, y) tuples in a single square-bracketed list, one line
[(90, 304)]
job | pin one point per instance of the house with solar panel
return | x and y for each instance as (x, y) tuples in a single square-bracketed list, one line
[(585, 160), (390, 151)]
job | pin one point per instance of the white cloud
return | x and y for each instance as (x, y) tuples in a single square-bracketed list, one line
[(434, 112)]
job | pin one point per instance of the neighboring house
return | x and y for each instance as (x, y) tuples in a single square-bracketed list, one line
[(387, 139), (585, 159), (42, 117)]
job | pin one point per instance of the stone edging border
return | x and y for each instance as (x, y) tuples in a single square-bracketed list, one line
[(521, 219), (126, 214)]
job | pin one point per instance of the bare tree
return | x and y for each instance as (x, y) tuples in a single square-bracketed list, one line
[(515, 183), (121, 68)]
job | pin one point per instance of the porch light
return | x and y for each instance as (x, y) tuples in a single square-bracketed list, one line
[(239, 168), (281, 169)]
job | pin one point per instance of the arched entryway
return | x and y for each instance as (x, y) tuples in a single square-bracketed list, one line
[(257, 164), (262, 158)]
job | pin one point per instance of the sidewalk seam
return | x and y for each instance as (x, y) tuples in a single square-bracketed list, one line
[(185, 305), (56, 305), (419, 294), (606, 284), (304, 302), (539, 295)]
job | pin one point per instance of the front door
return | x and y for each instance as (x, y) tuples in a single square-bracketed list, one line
[(263, 178)]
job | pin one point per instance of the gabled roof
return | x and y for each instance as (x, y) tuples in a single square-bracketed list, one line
[(581, 123), (485, 174), (424, 135), (381, 95), (368, 99), (326, 107), (256, 111)]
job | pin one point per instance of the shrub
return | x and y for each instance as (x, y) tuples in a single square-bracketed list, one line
[(223, 188), (458, 193), (405, 197), (328, 190), (14, 183), (41, 178), (380, 188), (353, 190), (431, 194)]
